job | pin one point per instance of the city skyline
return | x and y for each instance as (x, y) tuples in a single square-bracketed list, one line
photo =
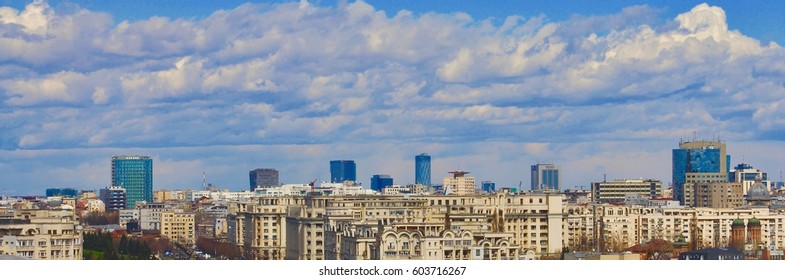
[(226, 88)]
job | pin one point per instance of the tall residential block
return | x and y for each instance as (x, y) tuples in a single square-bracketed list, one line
[(381, 181), (114, 197), (422, 169), (135, 175), (703, 159), (263, 177), (343, 170), (459, 183), (546, 176)]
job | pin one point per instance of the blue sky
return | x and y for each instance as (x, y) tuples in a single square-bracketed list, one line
[(225, 87)]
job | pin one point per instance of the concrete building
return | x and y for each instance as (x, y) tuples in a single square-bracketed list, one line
[(604, 227), (179, 227), (695, 179), (718, 195), (615, 191), (746, 174), (113, 197), (459, 184), (316, 227), (41, 234)]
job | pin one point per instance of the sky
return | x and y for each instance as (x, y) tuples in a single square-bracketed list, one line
[(225, 87)]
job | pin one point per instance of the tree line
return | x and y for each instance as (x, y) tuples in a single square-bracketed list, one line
[(101, 246)]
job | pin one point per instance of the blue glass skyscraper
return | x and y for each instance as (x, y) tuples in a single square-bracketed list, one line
[(697, 157), (381, 181), (135, 175), (422, 169), (343, 170)]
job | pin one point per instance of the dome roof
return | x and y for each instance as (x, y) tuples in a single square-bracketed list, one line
[(737, 222), (758, 191), (753, 222)]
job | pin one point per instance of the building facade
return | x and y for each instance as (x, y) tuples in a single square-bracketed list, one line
[(422, 169), (113, 197), (615, 191), (41, 234), (179, 227), (135, 175), (343, 170), (746, 175), (263, 177), (545, 176), (697, 157), (459, 183), (381, 181)]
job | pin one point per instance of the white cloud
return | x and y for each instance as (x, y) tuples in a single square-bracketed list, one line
[(327, 76)]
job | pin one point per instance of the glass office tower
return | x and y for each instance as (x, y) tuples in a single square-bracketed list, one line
[(135, 175), (422, 169), (343, 170)]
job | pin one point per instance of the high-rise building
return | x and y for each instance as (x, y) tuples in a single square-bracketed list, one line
[(113, 197), (488, 186), (263, 177), (422, 169), (546, 176), (459, 183), (697, 157), (381, 181), (135, 175), (343, 170)]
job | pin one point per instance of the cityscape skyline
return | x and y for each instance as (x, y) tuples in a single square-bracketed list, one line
[(491, 90)]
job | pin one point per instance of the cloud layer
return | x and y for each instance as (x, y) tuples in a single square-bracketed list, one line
[(352, 81)]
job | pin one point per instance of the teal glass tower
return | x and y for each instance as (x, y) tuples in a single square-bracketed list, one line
[(422, 169), (135, 175)]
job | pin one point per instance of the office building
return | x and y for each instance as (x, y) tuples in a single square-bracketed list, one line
[(746, 174), (263, 178), (381, 181), (698, 157), (343, 170), (546, 176), (422, 169), (113, 197), (488, 186), (459, 183), (615, 191), (135, 175), (68, 192), (718, 195)]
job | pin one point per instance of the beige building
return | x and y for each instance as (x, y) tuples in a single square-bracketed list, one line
[(612, 228), (459, 184), (41, 234), (719, 195), (500, 226), (692, 180), (179, 227), (615, 191)]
